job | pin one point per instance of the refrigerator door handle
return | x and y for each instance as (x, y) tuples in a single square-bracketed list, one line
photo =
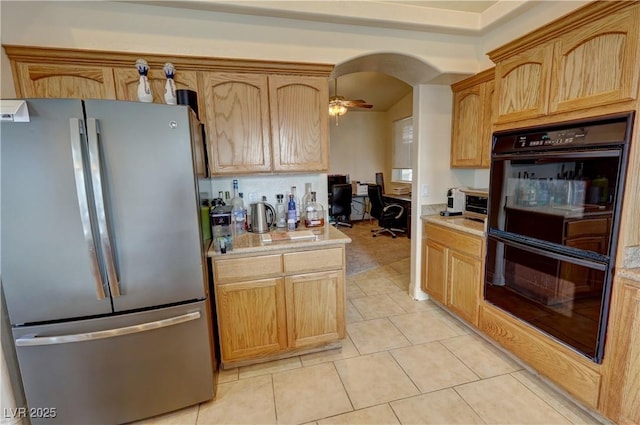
[(77, 130), (96, 179), (34, 340)]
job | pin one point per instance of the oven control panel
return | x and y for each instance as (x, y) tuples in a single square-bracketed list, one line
[(552, 138)]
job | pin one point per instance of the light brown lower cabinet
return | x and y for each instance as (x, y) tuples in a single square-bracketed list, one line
[(279, 304), (315, 309), (252, 318), (620, 399), (452, 269)]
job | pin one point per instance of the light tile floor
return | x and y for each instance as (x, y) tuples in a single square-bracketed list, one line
[(403, 362)]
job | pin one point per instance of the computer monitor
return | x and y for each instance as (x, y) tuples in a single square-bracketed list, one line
[(336, 179)]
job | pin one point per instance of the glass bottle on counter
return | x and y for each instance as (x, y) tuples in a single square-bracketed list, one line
[(291, 213), (314, 213), (281, 212), (238, 215), (297, 202), (305, 199)]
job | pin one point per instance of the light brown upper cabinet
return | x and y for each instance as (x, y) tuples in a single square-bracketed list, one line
[(522, 84), (260, 116), (266, 123), (237, 122), (299, 122), (585, 60), (597, 64), (64, 81), (473, 105), (127, 83)]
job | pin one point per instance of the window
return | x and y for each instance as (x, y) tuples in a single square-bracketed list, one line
[(402, 143)]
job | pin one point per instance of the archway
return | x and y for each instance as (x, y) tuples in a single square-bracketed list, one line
[(409, 69), (415, 73)]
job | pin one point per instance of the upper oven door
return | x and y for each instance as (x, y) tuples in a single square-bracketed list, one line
[(565, 198)]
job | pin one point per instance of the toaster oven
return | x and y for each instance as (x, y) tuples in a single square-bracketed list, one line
[(475, 204)]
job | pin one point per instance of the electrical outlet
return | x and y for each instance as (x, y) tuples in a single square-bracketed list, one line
[(425, 190)]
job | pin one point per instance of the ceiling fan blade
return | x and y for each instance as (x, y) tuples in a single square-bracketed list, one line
[(356, 104)]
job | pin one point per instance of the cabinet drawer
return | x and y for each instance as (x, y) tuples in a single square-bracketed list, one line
[(594, 226), (307, 261), (452, 239), (235, 269)]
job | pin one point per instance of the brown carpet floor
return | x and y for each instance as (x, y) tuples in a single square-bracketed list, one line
[(366, 252)]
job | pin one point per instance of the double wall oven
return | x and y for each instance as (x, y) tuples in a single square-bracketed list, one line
[(553, 215)]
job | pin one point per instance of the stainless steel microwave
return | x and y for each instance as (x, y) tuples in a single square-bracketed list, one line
[(475, 204)]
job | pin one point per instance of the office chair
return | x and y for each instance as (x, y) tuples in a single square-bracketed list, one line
[(388, 214), (340, 208), (380, 181)]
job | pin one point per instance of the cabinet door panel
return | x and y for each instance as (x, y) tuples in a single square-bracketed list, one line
[(299, 121), (594, 65), (434, 284), (487, 123), (127, 84), (237, 122), (251, 318), (315, 308), (466, 145), (463, 280), (620, 398), (62, 81), (522, 84)]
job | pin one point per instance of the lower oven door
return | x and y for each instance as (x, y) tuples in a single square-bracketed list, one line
[(564, 296)]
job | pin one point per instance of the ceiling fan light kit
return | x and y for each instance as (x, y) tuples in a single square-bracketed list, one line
[(338, 105), (336, 108)]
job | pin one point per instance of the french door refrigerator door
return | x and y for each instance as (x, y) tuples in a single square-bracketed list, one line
[(116, 369), (50, 268), (143, 175)]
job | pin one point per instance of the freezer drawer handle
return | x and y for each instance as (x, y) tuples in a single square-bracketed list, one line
[(96, 179), (110, 333), (81, 192)]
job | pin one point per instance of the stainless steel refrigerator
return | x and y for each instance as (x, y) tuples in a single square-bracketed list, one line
[(102, 261)]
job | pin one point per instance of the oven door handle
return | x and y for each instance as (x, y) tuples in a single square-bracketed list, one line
[(551, 254)]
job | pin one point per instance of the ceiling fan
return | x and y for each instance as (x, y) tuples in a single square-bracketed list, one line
[(339, 106)]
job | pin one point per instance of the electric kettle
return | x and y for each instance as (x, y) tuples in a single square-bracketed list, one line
[(263, 216)]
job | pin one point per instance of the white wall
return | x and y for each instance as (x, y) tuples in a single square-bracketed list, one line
[(359, 144)]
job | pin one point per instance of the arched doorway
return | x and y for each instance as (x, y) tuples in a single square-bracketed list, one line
[(413, 72)]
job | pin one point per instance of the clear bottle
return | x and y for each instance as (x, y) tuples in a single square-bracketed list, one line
[(291, 213), (297, 202), (305, 199), (281, 212), (314, 213), (238, 213)]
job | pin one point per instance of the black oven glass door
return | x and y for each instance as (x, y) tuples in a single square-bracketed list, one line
[(564, 198), (558, 294)]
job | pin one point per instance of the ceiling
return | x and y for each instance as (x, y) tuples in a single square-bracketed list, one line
[(380, 90), (476, 6)]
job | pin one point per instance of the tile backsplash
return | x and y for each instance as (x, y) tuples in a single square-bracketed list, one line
[(631, 257), (432, 209), (254, 187)]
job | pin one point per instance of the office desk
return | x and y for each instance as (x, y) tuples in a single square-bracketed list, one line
[(360, 206), (405, 201)]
